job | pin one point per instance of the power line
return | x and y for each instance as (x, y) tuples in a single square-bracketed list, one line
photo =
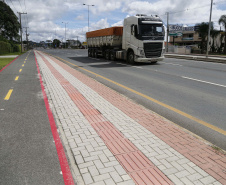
[(20, 6), (188, 9), (13, 6), (26, 14)]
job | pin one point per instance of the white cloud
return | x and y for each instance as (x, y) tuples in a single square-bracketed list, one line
[(80, 17), (103, 23), (44, 17)]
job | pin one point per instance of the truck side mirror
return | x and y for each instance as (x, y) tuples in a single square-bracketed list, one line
[(135, 31)]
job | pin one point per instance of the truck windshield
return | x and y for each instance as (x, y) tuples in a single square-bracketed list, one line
[(151, 30)]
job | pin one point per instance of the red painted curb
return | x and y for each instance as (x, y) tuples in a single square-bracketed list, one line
[(67, 176), (9, 64)]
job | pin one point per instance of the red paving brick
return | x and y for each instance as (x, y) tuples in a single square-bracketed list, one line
[(105, 125), (134, 161), (121, 146)]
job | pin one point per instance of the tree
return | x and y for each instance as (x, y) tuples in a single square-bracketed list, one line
[(214, 33), (56, 43), (222, 21), (9, 25), (203, 31)]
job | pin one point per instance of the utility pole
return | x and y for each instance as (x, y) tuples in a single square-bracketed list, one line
[(77, 42), (167, 35), (21, 31), (208, 39), (27, 36)]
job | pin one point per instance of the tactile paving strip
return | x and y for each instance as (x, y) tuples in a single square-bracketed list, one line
[(136, 164)]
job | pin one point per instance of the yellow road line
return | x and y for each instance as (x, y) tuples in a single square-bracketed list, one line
[(20, 70), (16, 78), (24, 61), (8, 94), (23, 65), (155, 101)]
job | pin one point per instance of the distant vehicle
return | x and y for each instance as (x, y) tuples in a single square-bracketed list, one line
[(141, 39)]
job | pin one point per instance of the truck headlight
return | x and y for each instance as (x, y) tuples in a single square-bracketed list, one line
[(141, 52)]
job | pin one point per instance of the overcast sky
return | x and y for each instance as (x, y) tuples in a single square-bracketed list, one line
[(44, 17)]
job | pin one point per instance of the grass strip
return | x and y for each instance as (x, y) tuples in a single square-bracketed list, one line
[(4, 62)]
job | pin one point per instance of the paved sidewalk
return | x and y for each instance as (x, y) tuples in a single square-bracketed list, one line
[(9, 56), (115, 141)]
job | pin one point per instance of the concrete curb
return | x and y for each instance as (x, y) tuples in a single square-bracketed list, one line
[(198, 58), (9, 56)]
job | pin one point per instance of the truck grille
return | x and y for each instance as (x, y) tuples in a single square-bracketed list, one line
[(152, 50)]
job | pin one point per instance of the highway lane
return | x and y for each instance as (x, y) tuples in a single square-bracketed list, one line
[(197, 89)]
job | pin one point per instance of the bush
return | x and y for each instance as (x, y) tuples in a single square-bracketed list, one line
[(16, 48), (5, 47)]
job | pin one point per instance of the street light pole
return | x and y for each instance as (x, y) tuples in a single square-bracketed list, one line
[(65, 33), (88, 13), (208, 39)]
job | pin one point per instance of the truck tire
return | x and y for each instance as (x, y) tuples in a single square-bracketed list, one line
[(107, 55), (96, 53), (130, 57), (112, 55), (93, 53), (89, 53)]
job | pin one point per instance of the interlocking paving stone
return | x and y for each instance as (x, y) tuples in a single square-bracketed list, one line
[(130, 126)]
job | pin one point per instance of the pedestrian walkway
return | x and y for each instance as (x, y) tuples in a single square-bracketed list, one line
[(115, 141), (9, 56)]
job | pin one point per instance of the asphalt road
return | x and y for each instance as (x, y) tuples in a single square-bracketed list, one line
[(188, 93), (27, 150)]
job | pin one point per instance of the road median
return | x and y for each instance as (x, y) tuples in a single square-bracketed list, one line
[(198, 58)]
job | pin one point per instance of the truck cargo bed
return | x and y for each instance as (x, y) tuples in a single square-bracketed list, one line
[(105, 37)]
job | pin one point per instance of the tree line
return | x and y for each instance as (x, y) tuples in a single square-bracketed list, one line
[(9, 29), (203, 31)]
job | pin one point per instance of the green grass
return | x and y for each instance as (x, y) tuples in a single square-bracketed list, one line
[(5, 61)]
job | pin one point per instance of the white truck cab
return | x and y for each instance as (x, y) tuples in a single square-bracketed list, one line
[(143, 38)]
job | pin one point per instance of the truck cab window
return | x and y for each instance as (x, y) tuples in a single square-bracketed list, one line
[(151, 30)]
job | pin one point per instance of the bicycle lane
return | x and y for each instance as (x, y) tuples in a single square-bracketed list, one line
[(28, 151)]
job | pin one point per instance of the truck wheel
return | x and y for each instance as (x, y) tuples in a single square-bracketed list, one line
[(130, 57), (107, 54), (93, 53), (112, 56), (154, 62), (89, 53), (96, 53)]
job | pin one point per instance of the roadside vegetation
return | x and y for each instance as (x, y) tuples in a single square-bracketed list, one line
[(9, 29), (5, 61), (219, 49)]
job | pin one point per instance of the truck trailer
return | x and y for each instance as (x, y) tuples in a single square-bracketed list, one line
[(140, 39)]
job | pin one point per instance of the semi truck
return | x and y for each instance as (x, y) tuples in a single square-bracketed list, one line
[(140, 39)]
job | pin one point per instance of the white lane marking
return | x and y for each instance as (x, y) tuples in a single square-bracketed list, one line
[(137, 67), (203, 81), (171, 63)]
